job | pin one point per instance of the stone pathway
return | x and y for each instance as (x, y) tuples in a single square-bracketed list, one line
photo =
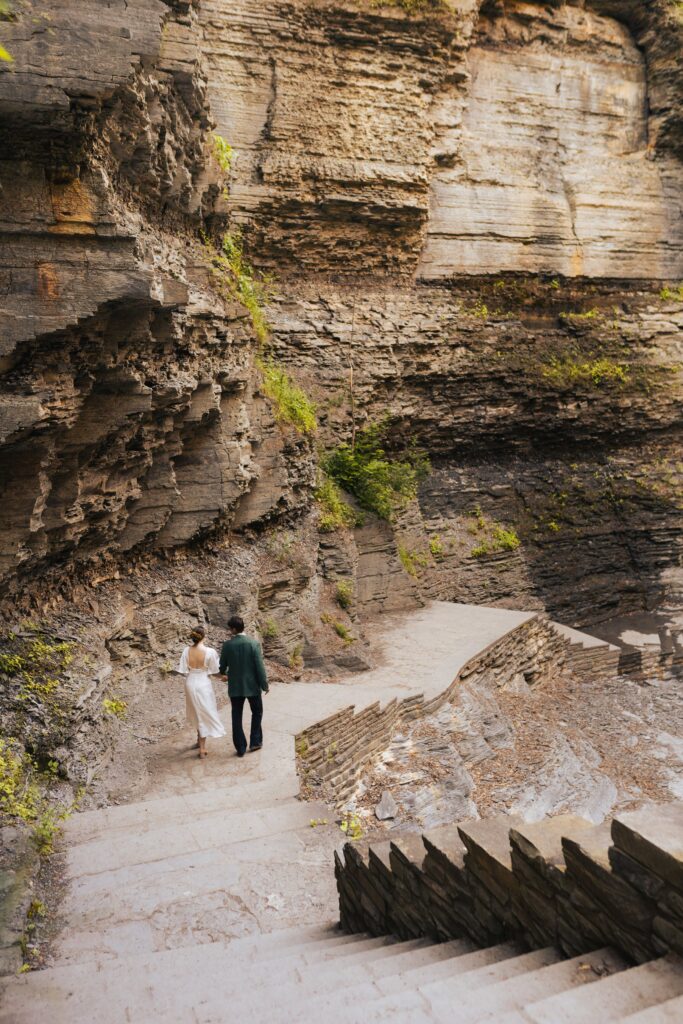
[(222, 851), (215, 899)]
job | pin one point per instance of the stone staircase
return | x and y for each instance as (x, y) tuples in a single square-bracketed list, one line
[(215, 899), (296, 974)]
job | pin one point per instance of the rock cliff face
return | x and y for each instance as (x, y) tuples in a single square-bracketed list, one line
[(473, 217)]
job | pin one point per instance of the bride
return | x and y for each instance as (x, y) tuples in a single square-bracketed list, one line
[(197, 663)]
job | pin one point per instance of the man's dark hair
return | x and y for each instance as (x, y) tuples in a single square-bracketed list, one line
[(236, 623)]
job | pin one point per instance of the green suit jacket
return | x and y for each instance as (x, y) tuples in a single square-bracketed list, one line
[(242, 662)]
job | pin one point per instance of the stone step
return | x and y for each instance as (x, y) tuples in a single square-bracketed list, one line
[(217, 829), (670, 1012), (213, 895), (410, 1005), (139, 818), (167, 985), (355, 975), (170, 984), (514, 993), (626, 993), (414, 977)]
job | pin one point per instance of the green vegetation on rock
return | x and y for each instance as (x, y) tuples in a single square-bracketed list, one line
[(674, 293), (335, 513), (381, 483), (567, 371), (492, 537), (411, 6), (223, 152), (413, 561), (115, 706), (236, 279), (291, 404), (343, 593)]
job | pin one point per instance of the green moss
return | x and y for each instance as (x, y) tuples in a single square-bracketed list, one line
[(335, 513), (236, 279), (381, 483), (291, 404), (674, 293)]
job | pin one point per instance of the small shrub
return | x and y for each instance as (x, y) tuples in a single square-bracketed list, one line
[(343, 633), (412, 561), (380, 483), (351, 826), (505, 540), (46, 830), (301, 746), (343, 593), (436, 547), (19, 793), (588, 315), (223, 152), (481, 549), (565, 372), (270, 629), (335, 513), (295, 659), (115, 706), (406, 560), (674, 294), (291, 404)]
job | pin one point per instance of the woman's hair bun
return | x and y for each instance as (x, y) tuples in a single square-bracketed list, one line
[(197, 634)]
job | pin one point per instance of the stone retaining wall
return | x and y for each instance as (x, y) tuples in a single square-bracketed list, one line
[(331, 754), (562, 881)]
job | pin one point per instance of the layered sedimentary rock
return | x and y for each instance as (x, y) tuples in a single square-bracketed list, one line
[(499, 181), (481, 139)]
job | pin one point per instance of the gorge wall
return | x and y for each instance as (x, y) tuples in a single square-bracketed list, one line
[(472, 216)]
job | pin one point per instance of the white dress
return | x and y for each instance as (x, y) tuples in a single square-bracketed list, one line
[(200, 700)]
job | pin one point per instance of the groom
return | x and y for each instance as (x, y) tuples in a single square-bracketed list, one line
[(242, 664)]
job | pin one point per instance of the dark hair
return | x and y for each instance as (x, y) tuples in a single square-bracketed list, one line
[(236, 624), (197, 634)]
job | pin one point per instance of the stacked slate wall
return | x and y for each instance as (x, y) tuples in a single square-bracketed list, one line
[(562, 882), (333, 753)]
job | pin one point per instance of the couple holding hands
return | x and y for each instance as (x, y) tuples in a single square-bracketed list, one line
[(241, 663)]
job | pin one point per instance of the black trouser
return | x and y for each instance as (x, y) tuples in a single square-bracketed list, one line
[(255, 735)]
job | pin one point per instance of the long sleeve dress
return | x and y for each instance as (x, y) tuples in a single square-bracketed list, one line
[(200, 700)]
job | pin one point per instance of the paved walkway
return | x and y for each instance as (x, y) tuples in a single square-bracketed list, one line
[(222, 850)]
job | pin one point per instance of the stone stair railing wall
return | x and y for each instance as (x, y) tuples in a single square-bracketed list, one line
[(562, 881), (332, 753)]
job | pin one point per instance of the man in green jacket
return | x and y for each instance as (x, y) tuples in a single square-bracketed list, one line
[(241, 663)]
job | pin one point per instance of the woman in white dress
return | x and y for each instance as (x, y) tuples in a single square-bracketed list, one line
[(197, 664)]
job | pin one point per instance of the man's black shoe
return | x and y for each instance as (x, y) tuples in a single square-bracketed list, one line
[(257, 747), (241, 753)]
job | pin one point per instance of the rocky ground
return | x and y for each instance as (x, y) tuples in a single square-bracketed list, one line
[(583, 746)]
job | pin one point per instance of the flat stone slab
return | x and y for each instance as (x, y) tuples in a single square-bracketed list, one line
[(542, 840), (653, 836), (488, 843)]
